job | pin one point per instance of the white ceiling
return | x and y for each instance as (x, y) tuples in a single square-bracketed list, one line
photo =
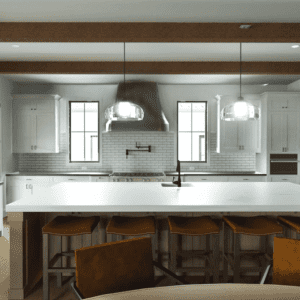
[(150, 11)]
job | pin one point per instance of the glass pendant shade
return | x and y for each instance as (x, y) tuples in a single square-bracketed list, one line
[(124, 111), (240, 110)]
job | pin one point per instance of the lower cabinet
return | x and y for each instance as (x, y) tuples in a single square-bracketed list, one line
[(100, 179), (247, 178), (18, 187), (205, 178), (285, 178)]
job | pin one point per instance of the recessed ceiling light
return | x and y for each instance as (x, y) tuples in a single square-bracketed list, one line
[(295, 46), (15, 46), (265, 84)]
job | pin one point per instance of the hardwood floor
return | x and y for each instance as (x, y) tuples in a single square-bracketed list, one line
[(66, 293)]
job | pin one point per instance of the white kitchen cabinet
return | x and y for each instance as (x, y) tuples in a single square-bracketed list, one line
[(285, 178), (246, 178), (100, 178), (205, 178), (281, 101), (58, 179), (18, 187), (283, 130), (237, 136), (36, 123)]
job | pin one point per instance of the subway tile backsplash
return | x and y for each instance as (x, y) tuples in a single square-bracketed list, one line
[(114, 145)]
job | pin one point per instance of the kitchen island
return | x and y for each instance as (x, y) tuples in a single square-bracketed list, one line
[(27, 216)]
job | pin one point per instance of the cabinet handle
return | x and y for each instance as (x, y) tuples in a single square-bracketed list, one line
[(71, 179), (28, 179), (245, 179), (31, 147), (35, 147), (26, 186), (283, 179), (203, 179)]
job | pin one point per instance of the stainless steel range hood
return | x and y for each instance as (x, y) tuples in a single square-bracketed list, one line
[(145, 95)]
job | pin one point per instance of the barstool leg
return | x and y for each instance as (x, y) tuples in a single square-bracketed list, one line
[(237, 259), (46, 294), (216, 258), (172, 252), (207, 263), (59, 275), (225, 253)]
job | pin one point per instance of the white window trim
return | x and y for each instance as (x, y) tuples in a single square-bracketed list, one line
[(196, 164), (84, 164)]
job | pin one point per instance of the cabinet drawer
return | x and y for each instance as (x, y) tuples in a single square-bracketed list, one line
[(205, 178), (292, 179), (71, 178), (246, 178), (100, 179)]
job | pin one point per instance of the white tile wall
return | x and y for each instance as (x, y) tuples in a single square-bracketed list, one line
[(114, 145)]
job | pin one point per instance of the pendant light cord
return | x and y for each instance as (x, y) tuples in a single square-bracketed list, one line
[(124, 63), (240, 69)]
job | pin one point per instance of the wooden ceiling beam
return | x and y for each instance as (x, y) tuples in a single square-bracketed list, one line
[(149, 32), (66, 67)]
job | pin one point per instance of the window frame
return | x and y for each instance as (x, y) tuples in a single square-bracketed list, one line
[(69, 131), (206, 162)]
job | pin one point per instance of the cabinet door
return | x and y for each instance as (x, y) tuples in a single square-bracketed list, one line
[(277, 125), (246, 178), (292, 130), (205, 178), (44, 132), (24, 104), (229, 136), (45, 106), (278, 102), (23, 129), (100, 178), (278, 178), (284, 102)]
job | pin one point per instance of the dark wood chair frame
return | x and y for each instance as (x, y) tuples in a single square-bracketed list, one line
[(211, 257), (48, 266), (234, 257)]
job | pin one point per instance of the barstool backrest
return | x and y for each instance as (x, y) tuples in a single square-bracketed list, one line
[(286, 261), (114, 267)]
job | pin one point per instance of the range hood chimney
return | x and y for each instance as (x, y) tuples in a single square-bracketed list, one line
[(145, 95)]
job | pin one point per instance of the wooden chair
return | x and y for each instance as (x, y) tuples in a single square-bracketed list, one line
[(115, 267), (63, 227), (256, 226), (195, 226), (285, 263)]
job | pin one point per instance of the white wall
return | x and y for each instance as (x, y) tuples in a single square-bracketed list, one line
[(8, 160), (169, 95)]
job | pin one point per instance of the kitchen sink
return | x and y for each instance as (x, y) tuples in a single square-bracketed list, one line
[(183, 184)]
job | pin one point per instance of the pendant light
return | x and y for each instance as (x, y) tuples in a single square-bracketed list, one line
[(124, 110), (240, 110)]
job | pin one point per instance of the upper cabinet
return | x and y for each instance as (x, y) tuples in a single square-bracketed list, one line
[(283, 101), (35, 123), (283, 122), (238, 136)]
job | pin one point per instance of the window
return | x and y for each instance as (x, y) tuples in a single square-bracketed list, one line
[(192, 131), (83, 131)]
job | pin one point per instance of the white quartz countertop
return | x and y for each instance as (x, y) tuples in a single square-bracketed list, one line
[(152, 197)]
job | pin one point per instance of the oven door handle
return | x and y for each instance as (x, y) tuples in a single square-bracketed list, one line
[(285, 161)]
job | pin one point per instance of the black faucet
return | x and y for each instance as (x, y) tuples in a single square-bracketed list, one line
[(178, 182)]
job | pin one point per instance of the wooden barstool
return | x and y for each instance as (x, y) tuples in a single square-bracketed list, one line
[(257, 226), (63, 226), (290, 223), (195, 226), (120, 226)]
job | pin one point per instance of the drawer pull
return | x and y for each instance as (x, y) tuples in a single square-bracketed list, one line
[(284, 179), (245, 179), (71, 179), (203, 179)]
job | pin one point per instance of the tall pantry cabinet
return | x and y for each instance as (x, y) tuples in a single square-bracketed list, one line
[(36, 123)]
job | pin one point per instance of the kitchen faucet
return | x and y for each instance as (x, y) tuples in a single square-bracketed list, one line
[(178, 182)]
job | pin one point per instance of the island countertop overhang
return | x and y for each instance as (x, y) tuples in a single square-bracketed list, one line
[(152, 197)]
